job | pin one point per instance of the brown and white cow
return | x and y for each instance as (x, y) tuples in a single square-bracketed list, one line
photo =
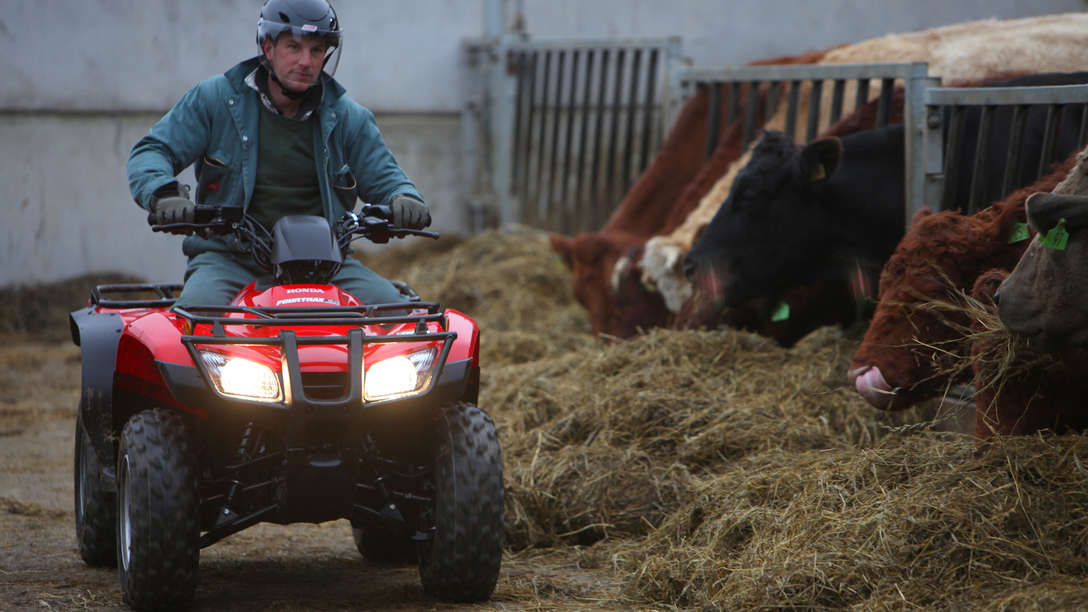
[(901, 359), (658, 202)]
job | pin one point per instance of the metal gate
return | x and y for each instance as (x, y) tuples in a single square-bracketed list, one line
[(948, 109), (564, 128), (844, 87)]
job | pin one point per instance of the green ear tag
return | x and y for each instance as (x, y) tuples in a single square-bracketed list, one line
[(1057, 237), (781, 313), (1019, 233)]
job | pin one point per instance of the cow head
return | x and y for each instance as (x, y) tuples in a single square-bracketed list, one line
[(591, 258), (907, 351), (769, 233), (1045, 296)]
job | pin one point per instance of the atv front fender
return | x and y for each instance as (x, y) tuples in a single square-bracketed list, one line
[(97, 334)]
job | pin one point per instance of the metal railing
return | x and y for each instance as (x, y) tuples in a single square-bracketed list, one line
[(566, 127), (948, 111), (733, 88)]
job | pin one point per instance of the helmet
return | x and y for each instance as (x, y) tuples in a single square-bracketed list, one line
[(301, 18)]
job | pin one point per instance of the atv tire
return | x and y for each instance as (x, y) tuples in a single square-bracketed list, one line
[(158, 533), (461, 562), (95, 505), (383, 547)]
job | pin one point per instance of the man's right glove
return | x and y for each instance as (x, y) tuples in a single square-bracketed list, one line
[(172, 206), (409, 213)]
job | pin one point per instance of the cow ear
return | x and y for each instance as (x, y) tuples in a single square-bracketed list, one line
[(564, 246), (820, 159), (1045, 210)]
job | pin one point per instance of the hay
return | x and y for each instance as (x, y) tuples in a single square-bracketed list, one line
[(609, 440), (714, 469), (40, 310), (913, 522)]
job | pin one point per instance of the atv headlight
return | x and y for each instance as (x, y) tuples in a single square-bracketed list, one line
[(399, 376), (237, 377)]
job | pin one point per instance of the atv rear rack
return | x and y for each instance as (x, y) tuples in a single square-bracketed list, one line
[(166, 292), (288, 341)]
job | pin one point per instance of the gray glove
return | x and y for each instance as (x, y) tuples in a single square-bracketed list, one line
[(173, 208), (409, 213)]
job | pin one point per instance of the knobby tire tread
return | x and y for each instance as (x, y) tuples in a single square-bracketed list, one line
[(96, 530), (164, 519), (462, 561)]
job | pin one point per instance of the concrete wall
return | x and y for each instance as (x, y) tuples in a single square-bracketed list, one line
[(84, 79)]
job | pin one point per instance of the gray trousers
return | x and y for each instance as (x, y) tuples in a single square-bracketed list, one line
[(213, 278)]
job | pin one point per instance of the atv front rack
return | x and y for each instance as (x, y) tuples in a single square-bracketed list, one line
[(167, 293), (288, 341)]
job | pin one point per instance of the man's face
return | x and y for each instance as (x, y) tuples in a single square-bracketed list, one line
[(297, 62)]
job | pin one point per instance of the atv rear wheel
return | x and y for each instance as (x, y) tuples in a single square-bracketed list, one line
[(384, 547), (95, 505), (461, 562), (158, 534)]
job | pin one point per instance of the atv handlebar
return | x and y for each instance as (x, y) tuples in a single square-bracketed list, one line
[(372, 221)]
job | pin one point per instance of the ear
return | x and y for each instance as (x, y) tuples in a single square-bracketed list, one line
[(1045, 210), (563, 245), (266, 46), (820, 159)]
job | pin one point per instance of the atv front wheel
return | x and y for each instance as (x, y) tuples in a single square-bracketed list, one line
[(158, 534), (95, 505), (461, 562), (383, 547)]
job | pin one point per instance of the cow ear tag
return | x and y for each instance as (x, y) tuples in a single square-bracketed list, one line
[(1057, 237), (818, 173), (1019, 233), (781, 313)]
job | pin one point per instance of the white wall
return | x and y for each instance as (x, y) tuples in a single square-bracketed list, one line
[(82, 80)]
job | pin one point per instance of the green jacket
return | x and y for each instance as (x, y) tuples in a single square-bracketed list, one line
[(214, 125)]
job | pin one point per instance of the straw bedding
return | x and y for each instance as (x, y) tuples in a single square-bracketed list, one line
[(716, 470)]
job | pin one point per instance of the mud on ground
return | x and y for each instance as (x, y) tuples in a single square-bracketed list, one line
[(702, 470)]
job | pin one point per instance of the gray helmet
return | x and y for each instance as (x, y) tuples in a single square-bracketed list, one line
[(302, 18)]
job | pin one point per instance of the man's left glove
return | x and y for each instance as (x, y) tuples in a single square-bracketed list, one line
[(172, 206), (409, 213)]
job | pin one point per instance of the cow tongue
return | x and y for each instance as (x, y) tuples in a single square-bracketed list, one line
[(871, 385)]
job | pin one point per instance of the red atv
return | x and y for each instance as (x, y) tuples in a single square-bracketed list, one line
[(295, 403)]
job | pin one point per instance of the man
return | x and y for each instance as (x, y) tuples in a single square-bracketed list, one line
[(277, 136)]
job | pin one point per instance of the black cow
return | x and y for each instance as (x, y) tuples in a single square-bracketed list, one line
[(817, 214), (804, 215)]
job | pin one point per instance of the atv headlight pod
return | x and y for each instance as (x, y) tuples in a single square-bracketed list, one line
[(242, 378), (399, 376)]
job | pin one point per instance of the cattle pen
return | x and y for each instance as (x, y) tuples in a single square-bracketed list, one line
[(566, 132)]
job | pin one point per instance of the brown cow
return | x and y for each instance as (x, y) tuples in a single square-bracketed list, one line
[(1020, 391), (658, 202), (900, 360)]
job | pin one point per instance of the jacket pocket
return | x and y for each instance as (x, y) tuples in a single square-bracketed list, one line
[(346, 188), (211, 178)]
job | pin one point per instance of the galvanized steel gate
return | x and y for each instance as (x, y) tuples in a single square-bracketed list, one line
[(564, 128)]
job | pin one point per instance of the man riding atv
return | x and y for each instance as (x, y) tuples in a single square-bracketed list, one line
[(275, 135)]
